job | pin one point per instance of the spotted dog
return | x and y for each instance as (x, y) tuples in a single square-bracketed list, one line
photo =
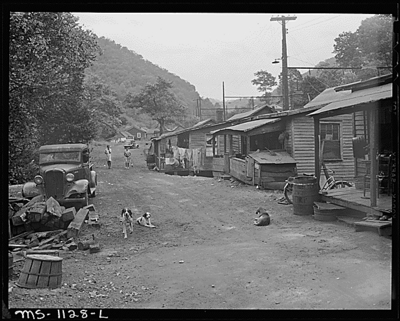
[(126, 219), (144, 220)]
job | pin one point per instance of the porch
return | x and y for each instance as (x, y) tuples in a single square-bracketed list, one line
[(353, 198)]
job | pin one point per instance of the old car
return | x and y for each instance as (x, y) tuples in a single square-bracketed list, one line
[(65, 173), (131, 144)]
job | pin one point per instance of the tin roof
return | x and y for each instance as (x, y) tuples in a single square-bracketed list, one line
[(350, 99), (62, 147), (272, 157), (203, 122), (247, 126), (328, 96), (248, 113)]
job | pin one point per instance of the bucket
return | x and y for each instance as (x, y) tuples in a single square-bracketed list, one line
[(41, 271), (305, 193), (10, 264)]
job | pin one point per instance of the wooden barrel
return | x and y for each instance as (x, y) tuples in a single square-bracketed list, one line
[(305, 193), (41, 271)]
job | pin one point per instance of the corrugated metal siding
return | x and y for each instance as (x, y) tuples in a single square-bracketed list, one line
[(303, 144)]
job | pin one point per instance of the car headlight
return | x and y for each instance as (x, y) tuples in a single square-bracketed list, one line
[(38, 179), (70, 177)]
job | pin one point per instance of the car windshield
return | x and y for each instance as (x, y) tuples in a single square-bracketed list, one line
[(59, 157)]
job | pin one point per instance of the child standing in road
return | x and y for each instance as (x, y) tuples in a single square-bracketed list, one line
[(127, 154), (108, 154)]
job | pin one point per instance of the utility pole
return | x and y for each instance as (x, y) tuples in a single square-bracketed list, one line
[(199, 107), (223, 100), (285, 87)]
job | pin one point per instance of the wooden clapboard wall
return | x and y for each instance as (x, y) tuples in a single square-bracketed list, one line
[(302, 144)]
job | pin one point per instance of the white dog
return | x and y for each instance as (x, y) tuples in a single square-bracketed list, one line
[(126, 219), (144, 220)]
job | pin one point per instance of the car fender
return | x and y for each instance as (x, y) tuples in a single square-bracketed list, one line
[(30, 190), (78, 187)]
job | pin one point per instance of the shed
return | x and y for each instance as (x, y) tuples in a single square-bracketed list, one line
[(270, 169)]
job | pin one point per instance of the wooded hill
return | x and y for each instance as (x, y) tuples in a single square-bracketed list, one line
[(125, 71)]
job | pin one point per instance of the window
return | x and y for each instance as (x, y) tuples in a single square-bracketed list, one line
[(139, 135), (330, 135), (209, 145)]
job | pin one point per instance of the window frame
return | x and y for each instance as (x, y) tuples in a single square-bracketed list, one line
[(208, 146), (339, 139)]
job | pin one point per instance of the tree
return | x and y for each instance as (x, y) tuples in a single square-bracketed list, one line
[(264, 82), (311, 88), (103, 104), (48, 53), (157, 101), (370, 44)]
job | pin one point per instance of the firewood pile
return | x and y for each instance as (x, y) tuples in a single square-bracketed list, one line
[(41, 225), (38, 215)]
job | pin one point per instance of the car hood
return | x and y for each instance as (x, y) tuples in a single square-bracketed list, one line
[(64, 167)]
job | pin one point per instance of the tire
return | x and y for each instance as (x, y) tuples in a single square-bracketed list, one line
[(86, 200), (340, 184), (287, 191)]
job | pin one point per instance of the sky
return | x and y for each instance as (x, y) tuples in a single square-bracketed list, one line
[(208, 49)]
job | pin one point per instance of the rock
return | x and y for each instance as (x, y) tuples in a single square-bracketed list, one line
[(71, 246)]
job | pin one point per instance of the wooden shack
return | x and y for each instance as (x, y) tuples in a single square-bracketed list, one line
[(270, 169)]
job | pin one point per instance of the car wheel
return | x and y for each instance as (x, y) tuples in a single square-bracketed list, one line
[(86, 200)]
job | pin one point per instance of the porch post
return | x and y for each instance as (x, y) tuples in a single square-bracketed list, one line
[(316, 150), (225, 147), (213, 144), (373, 152), (230, 145), (247, 145)]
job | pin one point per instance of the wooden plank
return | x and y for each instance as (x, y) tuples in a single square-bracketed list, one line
[(68, 214), (277, 174), (350, 204), (22, 235), (76, 225)]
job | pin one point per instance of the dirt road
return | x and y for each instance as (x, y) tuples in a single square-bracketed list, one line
[(205, 252)]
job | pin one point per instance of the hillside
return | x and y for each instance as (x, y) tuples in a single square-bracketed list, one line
[(125, 71)]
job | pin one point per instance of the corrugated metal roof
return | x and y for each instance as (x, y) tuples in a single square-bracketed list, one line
[(272, 157), (368, 95), (125, 134), (328, 96), (247, 113), (250, 125), (201, 123)]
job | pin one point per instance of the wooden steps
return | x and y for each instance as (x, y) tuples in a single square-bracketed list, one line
[(384, 228)]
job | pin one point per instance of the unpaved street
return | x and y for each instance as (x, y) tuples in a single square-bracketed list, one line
[(205, 252)]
